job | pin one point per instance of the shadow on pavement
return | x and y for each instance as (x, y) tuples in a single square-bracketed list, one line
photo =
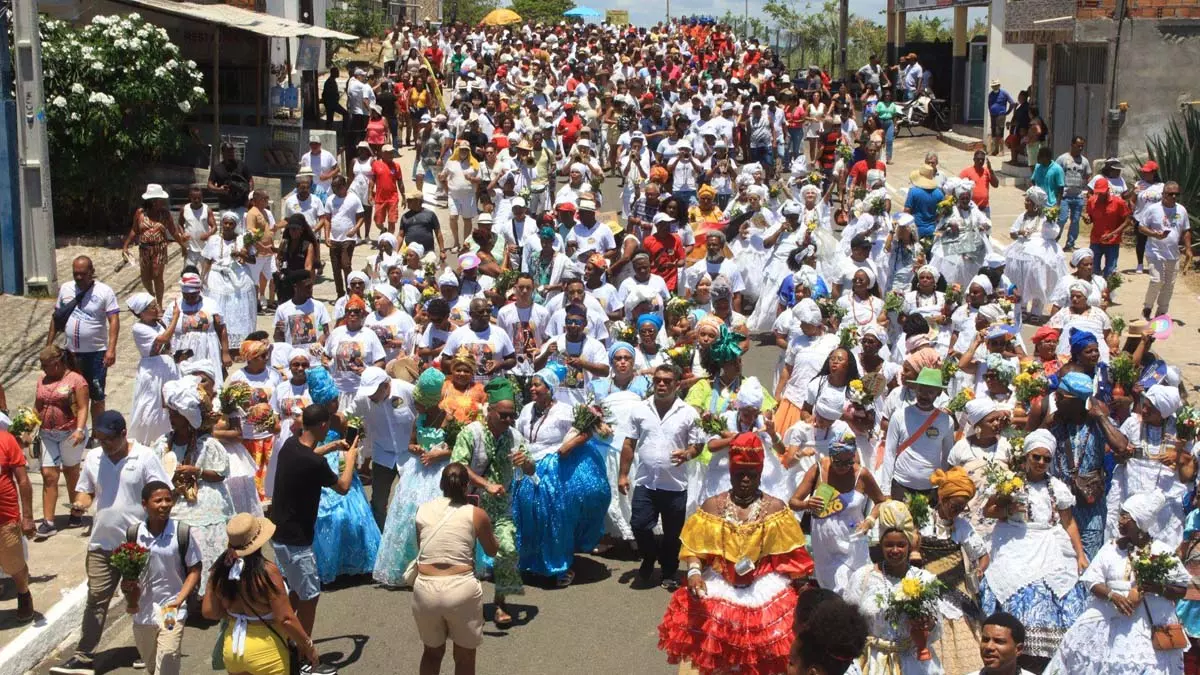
[(339, 659)]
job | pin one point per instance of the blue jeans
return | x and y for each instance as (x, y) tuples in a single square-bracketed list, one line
[(889, 135), (91, 366), (763, 156), (1108, 254), (795, 145), (1072, 207)]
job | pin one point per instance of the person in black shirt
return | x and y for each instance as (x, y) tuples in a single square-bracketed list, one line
[(385, 98), (420, 225), (332, 98), (302, 472), (231, 180)]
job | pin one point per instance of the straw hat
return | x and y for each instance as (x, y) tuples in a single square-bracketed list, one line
[(154, 191), (248, 534), (923, 177)]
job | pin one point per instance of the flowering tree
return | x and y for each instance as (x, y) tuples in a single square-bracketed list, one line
[(117, 94)]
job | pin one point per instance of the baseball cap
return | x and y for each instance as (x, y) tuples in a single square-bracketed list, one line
[(1101, 186), (370, 380), (109, 423), (518, 201)]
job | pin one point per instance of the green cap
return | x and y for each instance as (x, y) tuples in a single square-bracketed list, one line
[(930, 377)]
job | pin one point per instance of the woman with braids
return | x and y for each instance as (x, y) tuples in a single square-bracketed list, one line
[(743, 549), (249, 594)]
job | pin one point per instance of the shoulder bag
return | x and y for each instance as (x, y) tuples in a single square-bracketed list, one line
[(62, 314), (410, 571), (1165, 637)]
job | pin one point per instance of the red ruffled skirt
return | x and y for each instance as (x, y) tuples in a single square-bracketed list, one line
[(748, 629)]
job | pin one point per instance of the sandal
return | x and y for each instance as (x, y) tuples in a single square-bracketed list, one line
[(565, 580), (502, 619)]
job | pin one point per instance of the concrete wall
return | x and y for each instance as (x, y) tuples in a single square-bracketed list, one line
[(1012, 64), (1155, 71)]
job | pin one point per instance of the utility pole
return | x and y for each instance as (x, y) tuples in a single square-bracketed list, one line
[(11, 280), (34, 211), (843, 35)]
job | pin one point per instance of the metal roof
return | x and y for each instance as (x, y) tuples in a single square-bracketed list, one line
[(240, 19)]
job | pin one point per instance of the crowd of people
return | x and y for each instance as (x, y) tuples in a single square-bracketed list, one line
[(916, 488)]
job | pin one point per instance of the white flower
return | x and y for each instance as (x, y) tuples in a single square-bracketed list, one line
[(60, 101), (96, 65), (101, 98), (120, 43), (135, 44), (133, 16), (172, 64), (199, 91), (185, 106), (160, 72), (77, 88), (48, 74), (75, 117), (191, 64)]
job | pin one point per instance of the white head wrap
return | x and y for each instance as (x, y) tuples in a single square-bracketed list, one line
[(904, 220), (875, 178), (867, 270), (791, 208), (388, 291), (138, 302), (1080, 255), (978, 409), (760, 190), (1036, 195), (639, 294), (581, 168), (388, 238), (183, 396), (417, 248), (751, 394), (745, 180), (874, 329), (356, 275), (1041, 438), (205, 366), (808, 312), (447, 278), (5, 422), (992, 312), (1173, 376), (930, 269), (1082, 286), (982, 282), (1144, 508), (1164, 398), (830, 404), (805, 277), (964, 186)]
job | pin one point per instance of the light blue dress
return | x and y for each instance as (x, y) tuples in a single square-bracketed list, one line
[(420, 484), (346, 538)]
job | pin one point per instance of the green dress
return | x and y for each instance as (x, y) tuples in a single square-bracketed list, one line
[(488, 457)]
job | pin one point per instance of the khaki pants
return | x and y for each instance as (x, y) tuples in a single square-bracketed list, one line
[(102, 580), (1162, 285), (159, 648)]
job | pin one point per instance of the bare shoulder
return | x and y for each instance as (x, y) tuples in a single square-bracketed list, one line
[(715, 504), (772, 505)]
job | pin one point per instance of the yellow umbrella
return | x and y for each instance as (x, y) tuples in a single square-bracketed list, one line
[(500, 17)]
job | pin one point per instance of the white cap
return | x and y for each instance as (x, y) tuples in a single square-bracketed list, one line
[(370, 379), (314, 137), (587, 205), (518, 201)]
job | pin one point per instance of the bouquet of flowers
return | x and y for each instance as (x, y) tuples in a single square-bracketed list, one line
[(234, 396), (129, 559), (1187, 419), (1052, 213), (1114, 281), (860, 193), (1029, 386), (773, 191), (505, 281), (24, 421), (960, 401), (429, 293), (524, 193), (848, 337), (431, 273), (845, 153), (250, 239), (865, 390), (954, 295), (262, 417), (624, 331), (919, 508), (681, 356), (713, 424), (1001, 480), (1123, 372), (949, 368), (1152, 569), (917, 601), (1118, 326), (590, 417), (893, 302), (678, 306), (877, 206), (945, 207), (815, 178), (1005, 305), (1016, 443), (831, 309)]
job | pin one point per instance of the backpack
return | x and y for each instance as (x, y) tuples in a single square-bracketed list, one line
[(182, 536)]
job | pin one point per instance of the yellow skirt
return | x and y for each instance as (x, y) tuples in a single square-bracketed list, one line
[(264, 653)]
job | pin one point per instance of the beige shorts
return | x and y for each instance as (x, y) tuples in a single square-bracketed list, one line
[(449, 607), (12, 551)]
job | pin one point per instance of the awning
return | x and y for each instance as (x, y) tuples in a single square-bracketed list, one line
[(240, 19)]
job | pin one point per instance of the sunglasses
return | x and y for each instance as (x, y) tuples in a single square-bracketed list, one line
[(573, 323), (1170, 194), (664, 380), (507, 415), (1040, 459)]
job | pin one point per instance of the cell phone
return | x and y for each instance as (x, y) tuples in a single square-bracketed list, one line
[(351, 435)]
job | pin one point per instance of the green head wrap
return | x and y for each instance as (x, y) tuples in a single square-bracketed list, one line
[(727, 346), (500, 389), (429, 386)]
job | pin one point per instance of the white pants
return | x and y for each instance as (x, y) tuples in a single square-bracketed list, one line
[(1162, 284)]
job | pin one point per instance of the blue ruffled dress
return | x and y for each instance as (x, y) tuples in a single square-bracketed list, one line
[(560, 510), (420, 484), (346, 538)]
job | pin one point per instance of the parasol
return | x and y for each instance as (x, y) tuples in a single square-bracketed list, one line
[(500, 17), (582, 12)]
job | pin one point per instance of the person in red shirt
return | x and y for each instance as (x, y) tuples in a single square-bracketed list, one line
[(1110, 217), (665, 250), (434, 54), (16, 520), (386, 188), (858, 172), (984, 178), (569, 126)]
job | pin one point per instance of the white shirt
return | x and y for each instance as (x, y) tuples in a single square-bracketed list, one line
[(395, 327), (929, 451), (359, 97), (87, 327), (576, 382), (116, 491), (195, 225), (162, 579), (657, 437), (312, 209), (526, 329), (726, 267), (805, 356), (489, 344), (323, 162), (262, 386), (388, 424), (1174, 222), (598, 238), (303, 324), (359, 349), (343, 213)]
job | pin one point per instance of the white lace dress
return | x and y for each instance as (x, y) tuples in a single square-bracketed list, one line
[(212, 508), (1034, 261), (889, 645), (958, 257)]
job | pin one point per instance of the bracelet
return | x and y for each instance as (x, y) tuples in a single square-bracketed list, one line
[(693, 572), (694, 566), (1109, 597)]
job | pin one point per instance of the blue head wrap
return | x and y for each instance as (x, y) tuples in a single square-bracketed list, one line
[(320, 385), (820, 290), (620, 347), (652, 318), (552, 375), (1076, 384), (1079, 340)]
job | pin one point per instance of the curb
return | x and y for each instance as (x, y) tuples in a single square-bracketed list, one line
[(58, 625)]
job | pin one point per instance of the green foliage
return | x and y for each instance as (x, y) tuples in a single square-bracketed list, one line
[(543, 11), (1176, 149), (364, 18), (469, 12), (116, 94)]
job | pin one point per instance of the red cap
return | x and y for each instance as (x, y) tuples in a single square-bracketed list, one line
[(746, 453), (569, 105), (565, 207), (1101, 186), (1149, 166)]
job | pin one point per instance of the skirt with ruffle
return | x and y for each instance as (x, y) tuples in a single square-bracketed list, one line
[(744, 630), (346, 538), (1046, 618), (561, 508), (243, 490), (398, 545)]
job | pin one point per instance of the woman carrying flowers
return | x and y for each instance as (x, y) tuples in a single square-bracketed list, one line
[(1130, 624), (1034, 261), (963, 236), (980, 453)]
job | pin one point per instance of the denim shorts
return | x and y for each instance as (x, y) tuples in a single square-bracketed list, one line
[(91, 366), (299, 567)]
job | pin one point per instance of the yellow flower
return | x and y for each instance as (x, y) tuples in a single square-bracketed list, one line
[(856, 385), (910, 587), (1017, 483), (969, 394), (1022, 379)]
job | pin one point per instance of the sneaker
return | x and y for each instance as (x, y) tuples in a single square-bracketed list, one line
[(75, 520), (46, 530), (1138, 270), (138, 664), (1068, 248), (74, 666), (319, 669), (670, 583), (24, 607)]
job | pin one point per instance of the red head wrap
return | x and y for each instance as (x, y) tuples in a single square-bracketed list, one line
[(746, 453), (1046, 333)]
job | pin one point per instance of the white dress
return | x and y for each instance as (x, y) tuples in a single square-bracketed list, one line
[(148, 420), (1105, 642), (1141, 473), (1094, 321), (888, 643), (620, 402), (959, 257), (197, 330), (776, 269), (928, 306), (230, 286), (1034, 261), (837, 550)]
